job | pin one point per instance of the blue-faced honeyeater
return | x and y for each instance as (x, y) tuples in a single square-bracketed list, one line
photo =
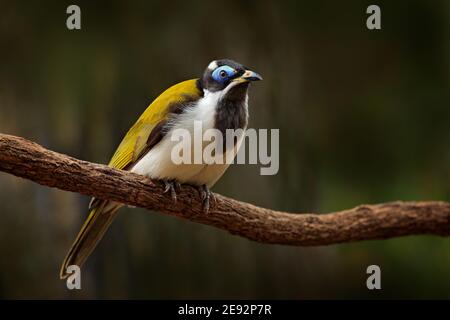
[(218, 99)]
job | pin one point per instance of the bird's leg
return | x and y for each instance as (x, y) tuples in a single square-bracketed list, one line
[(207, 197), (173, 186)]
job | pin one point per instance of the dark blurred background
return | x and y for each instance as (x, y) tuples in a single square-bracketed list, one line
[(363, 117)]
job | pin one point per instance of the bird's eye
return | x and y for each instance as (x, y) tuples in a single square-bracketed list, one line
[(222, 73)]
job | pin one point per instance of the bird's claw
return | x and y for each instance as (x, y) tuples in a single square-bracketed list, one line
[(207, 197), (173, 186)]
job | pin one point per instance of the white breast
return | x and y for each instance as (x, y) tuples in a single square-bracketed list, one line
[(157, 163)]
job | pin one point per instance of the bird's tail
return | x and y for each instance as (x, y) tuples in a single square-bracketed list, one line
[(91, 233)]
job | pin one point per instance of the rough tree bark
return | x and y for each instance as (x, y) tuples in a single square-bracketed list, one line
[(29, 160)]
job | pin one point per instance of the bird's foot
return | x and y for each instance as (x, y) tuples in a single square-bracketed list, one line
[(173, 187), (207, 197)]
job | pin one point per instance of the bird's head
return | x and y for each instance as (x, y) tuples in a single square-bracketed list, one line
[(229, 77)]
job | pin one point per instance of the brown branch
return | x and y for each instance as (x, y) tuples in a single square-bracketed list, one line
[(29, 160)]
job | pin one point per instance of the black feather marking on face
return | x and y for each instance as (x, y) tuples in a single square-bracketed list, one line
[(231, 112), (207, 81)]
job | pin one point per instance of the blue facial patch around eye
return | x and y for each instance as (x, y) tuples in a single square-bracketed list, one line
[(223, 73)]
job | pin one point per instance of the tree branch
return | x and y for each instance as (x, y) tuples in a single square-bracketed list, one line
[(29, 160)]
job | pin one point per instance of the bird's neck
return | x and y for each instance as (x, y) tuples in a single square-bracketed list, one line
[(232, 109)]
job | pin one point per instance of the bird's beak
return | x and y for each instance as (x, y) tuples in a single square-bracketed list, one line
[(248, 76)]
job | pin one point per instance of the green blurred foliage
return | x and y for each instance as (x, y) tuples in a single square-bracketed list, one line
[(363, 118)]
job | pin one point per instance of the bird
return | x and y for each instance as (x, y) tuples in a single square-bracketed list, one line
[(218, 100)]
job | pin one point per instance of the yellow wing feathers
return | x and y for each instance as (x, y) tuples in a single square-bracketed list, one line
[(135, 140), (129, 151)]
